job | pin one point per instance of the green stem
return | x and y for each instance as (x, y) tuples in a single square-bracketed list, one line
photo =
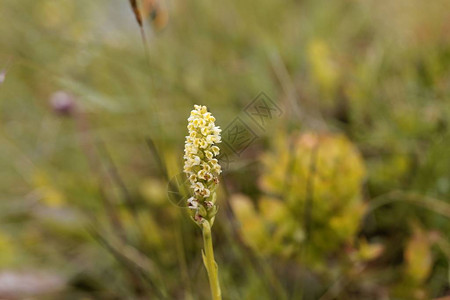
[(210, 264)]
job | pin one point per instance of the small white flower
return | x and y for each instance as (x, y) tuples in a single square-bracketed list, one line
[(205, 131), (197, 161), (198, 186), (193, 204), (193, 178), (206, 193), (206, 167), (217, 169), (215, 149), (204, 144), (201, 174), (200, 152), (208, 154)]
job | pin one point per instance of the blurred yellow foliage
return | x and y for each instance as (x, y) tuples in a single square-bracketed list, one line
[(154, 191), (418, 256), (253, 229), (7, 249), (324, 69), (323, 169), (50, 195), (152, 230), (390, 170), (53, 14), (368, 251)]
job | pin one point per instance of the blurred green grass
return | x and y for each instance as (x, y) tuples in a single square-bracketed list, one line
[(375, 71)]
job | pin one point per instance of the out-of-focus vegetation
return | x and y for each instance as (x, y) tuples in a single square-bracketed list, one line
[(345, 196)]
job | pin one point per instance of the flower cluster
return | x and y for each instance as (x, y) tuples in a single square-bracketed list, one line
[(201, 166)]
